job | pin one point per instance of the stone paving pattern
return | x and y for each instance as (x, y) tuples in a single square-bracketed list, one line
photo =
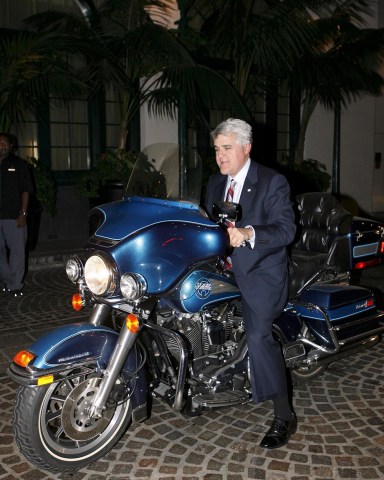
[(340, 432)]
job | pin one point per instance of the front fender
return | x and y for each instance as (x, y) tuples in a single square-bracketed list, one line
[(62, 349)]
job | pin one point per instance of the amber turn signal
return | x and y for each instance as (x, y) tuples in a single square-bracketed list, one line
[(77, 302), (132, 323), (23, 358)]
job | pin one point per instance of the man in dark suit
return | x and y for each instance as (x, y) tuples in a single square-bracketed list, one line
[(259, 262)]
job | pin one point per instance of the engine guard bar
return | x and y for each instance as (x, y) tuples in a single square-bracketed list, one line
[(182, 374)]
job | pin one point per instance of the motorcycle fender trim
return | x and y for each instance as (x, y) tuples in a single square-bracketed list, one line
[(100, 342), (78, 343), (61, 349), (32, 378)]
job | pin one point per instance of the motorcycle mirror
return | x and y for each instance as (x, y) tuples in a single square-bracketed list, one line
[(223, 211)]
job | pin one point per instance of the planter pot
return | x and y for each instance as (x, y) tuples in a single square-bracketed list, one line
[(112, 191)]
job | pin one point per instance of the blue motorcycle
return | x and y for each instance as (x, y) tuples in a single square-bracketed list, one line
[(166, 318)]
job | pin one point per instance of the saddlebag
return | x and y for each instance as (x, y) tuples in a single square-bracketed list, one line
[(337, 314)]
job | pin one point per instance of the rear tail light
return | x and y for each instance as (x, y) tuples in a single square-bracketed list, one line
[(368, 263)]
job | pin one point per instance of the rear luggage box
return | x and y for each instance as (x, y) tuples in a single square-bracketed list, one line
[(348, 310)]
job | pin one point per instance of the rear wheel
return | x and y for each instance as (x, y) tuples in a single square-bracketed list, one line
[(54, 431)]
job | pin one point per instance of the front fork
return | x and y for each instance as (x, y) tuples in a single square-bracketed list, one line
[(119, 355)]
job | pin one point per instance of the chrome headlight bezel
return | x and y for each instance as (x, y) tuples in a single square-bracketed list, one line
[(133, 286), (74, 269), (100, 274)]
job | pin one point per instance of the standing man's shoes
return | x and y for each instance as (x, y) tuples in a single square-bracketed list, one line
[(279, 433), (16, 293)]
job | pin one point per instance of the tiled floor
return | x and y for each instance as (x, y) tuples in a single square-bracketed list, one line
[(340, 434)]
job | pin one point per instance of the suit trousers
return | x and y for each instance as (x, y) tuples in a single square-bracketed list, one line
[(263, 298), (12, 253)]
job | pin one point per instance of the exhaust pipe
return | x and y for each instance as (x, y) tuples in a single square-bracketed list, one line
[(321, 358)]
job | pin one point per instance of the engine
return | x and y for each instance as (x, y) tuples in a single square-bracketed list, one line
[(212, 336)]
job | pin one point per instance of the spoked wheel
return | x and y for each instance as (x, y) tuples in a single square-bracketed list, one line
[(53, 429)]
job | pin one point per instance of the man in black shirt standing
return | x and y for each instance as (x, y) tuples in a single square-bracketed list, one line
[(15, 187)]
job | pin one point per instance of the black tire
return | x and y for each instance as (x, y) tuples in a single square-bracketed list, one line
[(53, 431)]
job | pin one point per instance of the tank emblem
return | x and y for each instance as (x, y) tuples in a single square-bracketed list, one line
[(203, 288)]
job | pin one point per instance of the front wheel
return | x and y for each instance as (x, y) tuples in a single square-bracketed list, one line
[(53, 430)]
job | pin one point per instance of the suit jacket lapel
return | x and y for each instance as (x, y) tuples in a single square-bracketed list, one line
[(219, 191), (249, 189)]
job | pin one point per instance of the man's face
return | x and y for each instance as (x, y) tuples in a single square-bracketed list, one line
[(230, 156), (5, 146)]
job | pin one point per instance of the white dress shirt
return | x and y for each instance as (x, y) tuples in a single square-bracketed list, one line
[(240, 179)]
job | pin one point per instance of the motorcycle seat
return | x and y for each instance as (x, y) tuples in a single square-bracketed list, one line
[(321, 244)]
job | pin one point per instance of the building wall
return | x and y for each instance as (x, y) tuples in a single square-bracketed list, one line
[(362, 135), (157, 130), (378, 172)]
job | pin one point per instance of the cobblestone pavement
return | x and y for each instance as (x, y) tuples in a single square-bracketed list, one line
[(341, 415)]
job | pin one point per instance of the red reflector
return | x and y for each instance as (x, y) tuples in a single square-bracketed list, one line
[(368, 263), (370, 302), (382, 247), (77, 302)]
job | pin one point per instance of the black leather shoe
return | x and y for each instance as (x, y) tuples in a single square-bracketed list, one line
[(279, 433), (16, 293)]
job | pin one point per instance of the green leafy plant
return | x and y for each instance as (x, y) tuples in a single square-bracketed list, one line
[(307, 176), (111, 166), (45, 184)]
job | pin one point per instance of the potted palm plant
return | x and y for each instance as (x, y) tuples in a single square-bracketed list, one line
[(42, 200), (45, 186), (106, 180)]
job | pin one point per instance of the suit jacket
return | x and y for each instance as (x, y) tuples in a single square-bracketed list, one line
[(266, 205), (262, 272)]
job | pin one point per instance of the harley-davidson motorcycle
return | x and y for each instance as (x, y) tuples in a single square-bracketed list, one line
[(166, 318)]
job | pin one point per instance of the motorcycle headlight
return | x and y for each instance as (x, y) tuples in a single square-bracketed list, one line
[(74, 269), (133, 286), (100, 275)]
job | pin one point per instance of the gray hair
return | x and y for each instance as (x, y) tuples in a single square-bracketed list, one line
[(241, 129)]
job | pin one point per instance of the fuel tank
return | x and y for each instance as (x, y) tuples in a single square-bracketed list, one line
[(160, 239), (200, 289)]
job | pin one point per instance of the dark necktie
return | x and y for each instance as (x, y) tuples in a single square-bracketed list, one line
[(229, 198)]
